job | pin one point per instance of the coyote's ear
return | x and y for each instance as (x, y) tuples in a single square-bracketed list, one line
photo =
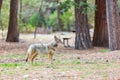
[(57, 39)]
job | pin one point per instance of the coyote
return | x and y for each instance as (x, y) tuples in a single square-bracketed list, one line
[(35, 49)]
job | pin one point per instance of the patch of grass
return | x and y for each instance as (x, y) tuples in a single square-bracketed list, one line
[(11, 64), (82, 77), (104, 50), (38, 64), (12, 60), (61, 64), (99, 66), (68, 62), (13, 56), (105, 75)]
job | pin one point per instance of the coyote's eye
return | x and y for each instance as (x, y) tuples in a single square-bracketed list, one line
[(55, 45)]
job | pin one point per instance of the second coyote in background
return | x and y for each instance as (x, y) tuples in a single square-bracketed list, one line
[(35, 49)]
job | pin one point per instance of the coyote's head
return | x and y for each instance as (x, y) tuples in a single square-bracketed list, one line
[(55, 42), (57, 39)]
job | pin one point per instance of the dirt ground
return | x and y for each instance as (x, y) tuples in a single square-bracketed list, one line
[(94, 55)]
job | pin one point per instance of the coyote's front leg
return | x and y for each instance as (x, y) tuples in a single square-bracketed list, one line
[(50, 55)]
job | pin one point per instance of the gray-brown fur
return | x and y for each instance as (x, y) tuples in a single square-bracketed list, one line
[(35, 49)]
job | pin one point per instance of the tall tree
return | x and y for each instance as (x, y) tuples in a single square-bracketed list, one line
[(0, 4), (113, 21), (13, 33), (59, 13), (100, 37), (1, 18), (82, 39), (20, 14)]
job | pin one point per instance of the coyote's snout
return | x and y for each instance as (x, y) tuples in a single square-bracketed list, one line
[(35, 49)]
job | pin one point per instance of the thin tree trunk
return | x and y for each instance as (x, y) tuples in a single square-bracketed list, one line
[(1, 18), (68, 26), (59, 13), (1, 4), (113, 21), (20, 15), (13, 33), (82, 39), (100, 37)]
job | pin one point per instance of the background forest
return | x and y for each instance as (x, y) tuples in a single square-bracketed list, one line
[(63, 15), (30, 12), (29, 15)]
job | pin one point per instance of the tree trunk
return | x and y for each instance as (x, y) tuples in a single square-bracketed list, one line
[(68, 26), (0, 4), (113, 21), (82, 39), (1, 26), (13, 33), (59, 13), (100, 37), (20, 14)]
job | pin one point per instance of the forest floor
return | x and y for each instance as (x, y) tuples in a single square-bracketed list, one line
[(69, 64)]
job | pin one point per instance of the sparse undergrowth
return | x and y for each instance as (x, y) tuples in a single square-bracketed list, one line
[(63, 67)]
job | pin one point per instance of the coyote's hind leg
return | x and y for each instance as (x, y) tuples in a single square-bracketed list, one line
[(34, 56)]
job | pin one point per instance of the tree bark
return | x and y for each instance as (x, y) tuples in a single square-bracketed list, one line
[(100, 37), (13, 33), (113, 21), (1, 4), (1, 17), (20, 14), (59, 13), (82, 39)]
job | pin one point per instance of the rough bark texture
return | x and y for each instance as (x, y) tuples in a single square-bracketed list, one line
[(100, 37), (82, 39), (13, 33), (113, 21)]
